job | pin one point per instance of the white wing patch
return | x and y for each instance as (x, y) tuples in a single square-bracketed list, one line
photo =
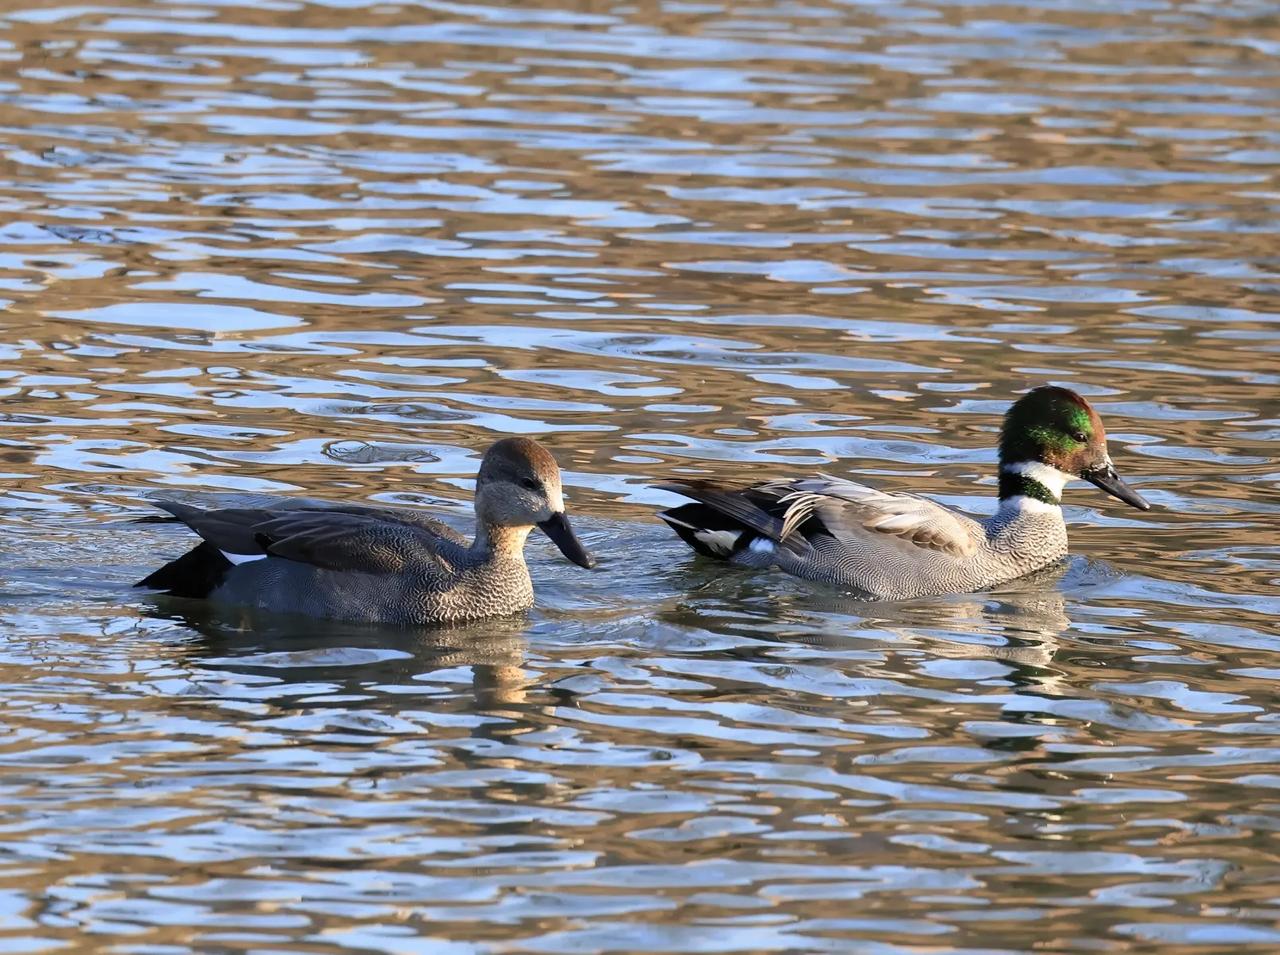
[(721, 542), (242, 558)]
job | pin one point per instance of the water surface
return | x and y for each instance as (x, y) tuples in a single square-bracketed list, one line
[(337, 247)]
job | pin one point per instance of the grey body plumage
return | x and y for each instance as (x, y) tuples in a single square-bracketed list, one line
[(376, 564), (887, 545)]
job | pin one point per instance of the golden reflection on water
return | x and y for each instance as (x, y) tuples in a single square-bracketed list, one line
[(336, 248)]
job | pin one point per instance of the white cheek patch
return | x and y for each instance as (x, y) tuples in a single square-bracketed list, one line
[(1045, 475), (242, 558)]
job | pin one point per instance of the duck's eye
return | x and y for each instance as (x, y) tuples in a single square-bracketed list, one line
[(530, 484), (1080, 436)]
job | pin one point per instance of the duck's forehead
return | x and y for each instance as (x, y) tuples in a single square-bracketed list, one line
[(544, 465)]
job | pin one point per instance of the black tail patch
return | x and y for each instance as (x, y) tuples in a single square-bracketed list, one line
[(748, 507), (708, 531), (195, 574)]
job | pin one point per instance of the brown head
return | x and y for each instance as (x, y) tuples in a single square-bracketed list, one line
[(519, 486), (1051, 435)]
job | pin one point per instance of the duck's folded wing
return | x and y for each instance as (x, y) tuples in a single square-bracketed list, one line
[(327, 538), (345, 541), (211, 502), (854, 512), (409, 516)]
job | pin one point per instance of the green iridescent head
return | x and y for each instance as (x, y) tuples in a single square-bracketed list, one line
[(1057, 428), (1053, 426)]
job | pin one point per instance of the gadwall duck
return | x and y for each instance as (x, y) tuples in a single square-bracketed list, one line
[(893, 545), (378, 564)]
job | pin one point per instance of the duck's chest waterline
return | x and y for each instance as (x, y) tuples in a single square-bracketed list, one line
[(489, 589)]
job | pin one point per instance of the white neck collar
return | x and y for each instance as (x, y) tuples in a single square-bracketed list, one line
[(1021, 504)]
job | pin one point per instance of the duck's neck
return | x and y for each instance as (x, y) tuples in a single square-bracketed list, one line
[(497, 542), (1031, 486)]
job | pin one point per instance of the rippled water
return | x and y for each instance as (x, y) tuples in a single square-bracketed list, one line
[(336, 247)]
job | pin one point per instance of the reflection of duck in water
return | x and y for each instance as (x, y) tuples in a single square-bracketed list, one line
[(379, 564), (1019, 624), (355, 657), (1019, 628), (368, 670), (893, 545)]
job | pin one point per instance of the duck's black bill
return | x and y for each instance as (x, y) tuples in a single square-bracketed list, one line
[(1106, 478), (558, 529)]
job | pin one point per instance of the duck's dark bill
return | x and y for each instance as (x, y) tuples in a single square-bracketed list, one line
[(558, 529), (1106, 478)]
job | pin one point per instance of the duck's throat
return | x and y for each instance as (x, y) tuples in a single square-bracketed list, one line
[(1031, 481), (503, 543)]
